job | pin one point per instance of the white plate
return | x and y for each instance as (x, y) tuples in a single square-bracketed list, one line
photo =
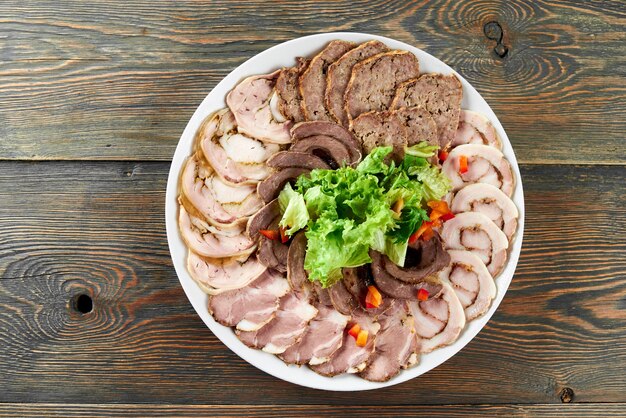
[(283, 55)]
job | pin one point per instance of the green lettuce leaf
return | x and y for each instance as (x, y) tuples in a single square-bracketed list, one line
[(422, 149), (295, 213)]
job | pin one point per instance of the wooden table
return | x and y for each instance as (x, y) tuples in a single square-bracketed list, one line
[(93, 99)]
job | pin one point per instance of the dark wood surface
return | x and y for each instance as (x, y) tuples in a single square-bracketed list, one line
[(93, 99)]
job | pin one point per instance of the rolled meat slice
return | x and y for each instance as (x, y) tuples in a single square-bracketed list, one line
[(288, 93), (423, 259), (485, 164), (475, 128), (475, 232), (218, 275), (490, 201), (271, 253), (471, 281), (438, 321), (315, 128), (212, 241), (250, 103), (334, 152), (235, 157), (252, 306), (287, 159), (270, 188)]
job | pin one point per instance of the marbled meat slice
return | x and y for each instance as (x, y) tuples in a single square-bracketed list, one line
[(475, 128), (218, 275), (289, 98)]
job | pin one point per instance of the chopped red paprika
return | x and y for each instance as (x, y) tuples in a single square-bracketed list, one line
[(422, 295), (463, 164), (443, 155), (361, 339), (354, 330), (423, 228), (270, 233), (283, 234), (373, 299), (447, 216)]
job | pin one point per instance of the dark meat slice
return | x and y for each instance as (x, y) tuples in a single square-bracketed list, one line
[(313, 128), (270, 188), (356, 280), (289, 99), (262, 219), (419, 125), (296, 275), (273, 253), (339, 75), (342, 299), (441, 95), (323, 295), (286, 159), (373, 81), (312, 81), (332, 151), (381, 129), (423, 259)]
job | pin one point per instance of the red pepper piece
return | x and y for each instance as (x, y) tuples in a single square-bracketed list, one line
[(354, 330), (423, 228), (422, 295), (373, 299), (463, 164), (447, 216), (270, 233), (283, 235), (443, 155)]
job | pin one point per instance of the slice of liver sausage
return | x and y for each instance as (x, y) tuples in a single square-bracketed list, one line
[(339, 75), (312, 81), (289, 99), (441, 95), (373, 81)]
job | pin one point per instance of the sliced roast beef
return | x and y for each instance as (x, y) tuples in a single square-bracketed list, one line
[(441, 95), (312, 81), (289, 98), (270, 188), (329, 149), (325, 128), (373, 81), (339, 75), (423, 259), (218, 275), (286, 159)]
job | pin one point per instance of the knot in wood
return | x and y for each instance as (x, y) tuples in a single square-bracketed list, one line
[(501, 50), (566, 395), (493, 31)]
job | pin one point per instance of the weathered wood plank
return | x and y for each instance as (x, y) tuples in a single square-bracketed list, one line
[(70, 228), (109, 80), (281, 411)]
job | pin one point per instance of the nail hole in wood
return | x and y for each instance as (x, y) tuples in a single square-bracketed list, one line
[(83, 304), (566, 395)]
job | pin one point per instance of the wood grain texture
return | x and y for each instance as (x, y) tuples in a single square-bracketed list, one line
[(119, 80), (282, 411), (68, 228)]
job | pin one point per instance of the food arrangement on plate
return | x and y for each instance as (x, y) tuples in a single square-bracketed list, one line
[(346, 213)]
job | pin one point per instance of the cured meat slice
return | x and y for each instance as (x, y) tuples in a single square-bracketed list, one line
[(441, 95), (438, 321), (312, 81), (250, 103), (342, 300), (395, 343), (217, 275), (216, 201), (288, 92), (351, 358), (475, 128), (211, 241), (423, 259), (316, 128), (286, 159), (270, 188), (490, 201), (475, 232), (329, 149), (485, 164), (252, 306), (373, 81), (471, 281), (339, 75), (419, 125)]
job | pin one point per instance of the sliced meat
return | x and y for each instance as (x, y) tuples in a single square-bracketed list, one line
[(393, 287), (322, 294), (423, 259), (288, 92), (273, 253), (250, 103), (314, 128), (471, 281), (490, 201), (475, 128), (270, 188), (475, 232), (373, 82), (438, 321), (262, 219), (342, 299), (312, 81), (292, 317), (356, 280), (211, 241), (418, 124), (339, 75), (350, 357), (235, 157), (485, 165), (381, 129), (395, 344), (217, 275), (441, 95), (252, 306), (287, 159), (329, 149), (298, 279), (216, 201), (321, 339)]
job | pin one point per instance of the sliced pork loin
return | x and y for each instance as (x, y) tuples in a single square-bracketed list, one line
[(215, 200), (212, 241), (339, 75), (438, 321), (423, 259), (475, 232), (312, 81), (250, 103), (373, 81), (471, 281), (270, 188), (475, 128), (235, 157), (252, 306), (287, 159), (218, 275), (485, 164), (288, 93), (351, 358), (271, 253), (396, 345), (441, 95), (490, 201), (315, 128)]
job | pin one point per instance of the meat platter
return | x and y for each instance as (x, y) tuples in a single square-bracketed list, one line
[(291, 115)]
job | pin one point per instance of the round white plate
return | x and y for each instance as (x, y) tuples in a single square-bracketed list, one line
[(284, 55)]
